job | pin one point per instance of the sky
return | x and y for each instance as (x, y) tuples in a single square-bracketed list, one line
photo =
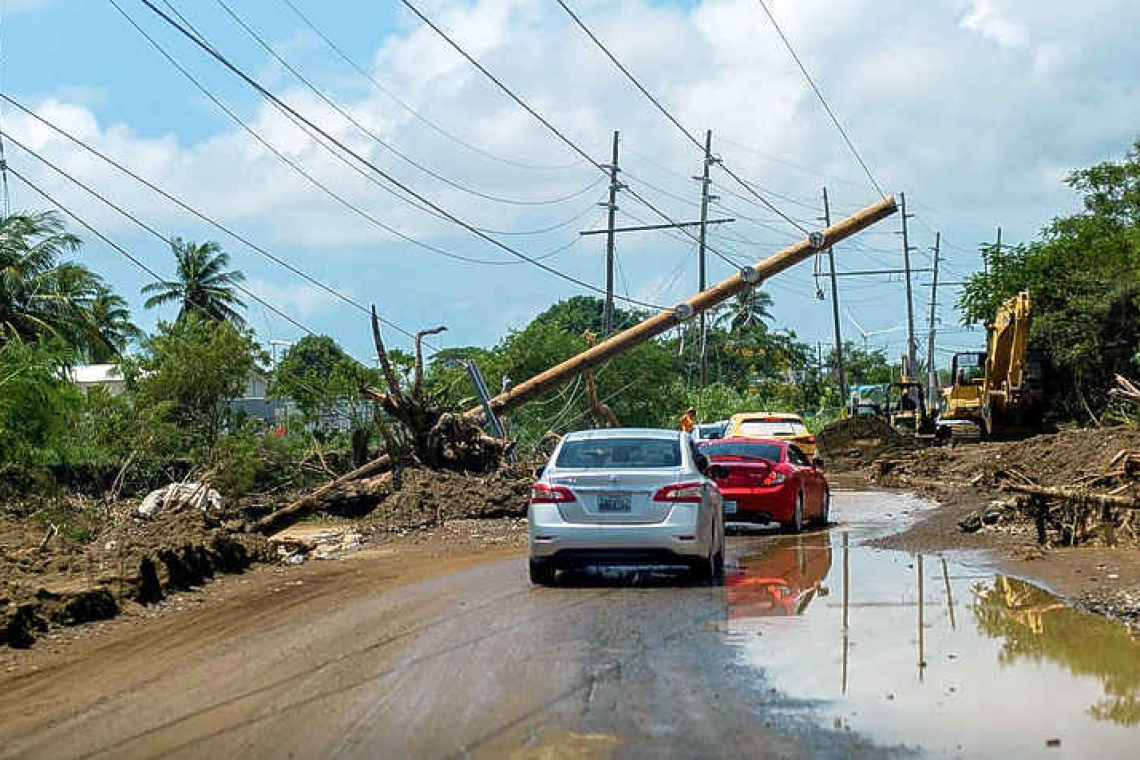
[(976, 109)]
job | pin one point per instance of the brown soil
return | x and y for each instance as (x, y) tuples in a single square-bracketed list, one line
[(142, 562), (1101, 572), (851, 442)]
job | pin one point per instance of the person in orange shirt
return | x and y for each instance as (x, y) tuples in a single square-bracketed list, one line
[(689, 420)]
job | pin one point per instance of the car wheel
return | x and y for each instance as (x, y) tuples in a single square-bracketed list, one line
[(825, 510), (718, 565), (703, 569), (796, 524), (542, 572)]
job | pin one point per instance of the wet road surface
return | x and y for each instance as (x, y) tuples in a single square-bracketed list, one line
[(476, 663)]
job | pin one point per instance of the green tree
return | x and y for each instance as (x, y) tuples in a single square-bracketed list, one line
[(194, 365), (578, 314), (1083, 276), (202, 284), (37, 403), (751, 308), (862, 366), (324, 382), (41, 293), (109, 326)]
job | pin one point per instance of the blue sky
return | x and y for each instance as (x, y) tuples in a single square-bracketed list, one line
[(976, 109)]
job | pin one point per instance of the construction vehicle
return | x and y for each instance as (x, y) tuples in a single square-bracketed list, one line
[(906, 410), (867, 400), (997, 393)]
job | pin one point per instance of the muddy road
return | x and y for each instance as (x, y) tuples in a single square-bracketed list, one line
[(815, 645)]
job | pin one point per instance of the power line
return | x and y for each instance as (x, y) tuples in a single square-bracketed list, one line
[(138, 222), (376, 138), (668, 115), (542, 120), (419, 116), (818, 94), (297, 168), (255, 85)]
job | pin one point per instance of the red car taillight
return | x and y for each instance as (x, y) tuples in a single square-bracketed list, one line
[(544, 494), (689, 493), (775, 478)]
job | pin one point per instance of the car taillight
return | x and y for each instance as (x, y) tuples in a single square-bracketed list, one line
[(680, 492), (775, 478), (810, 439), (541, 493)]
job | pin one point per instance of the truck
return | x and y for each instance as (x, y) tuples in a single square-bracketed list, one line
[(1000, 392)]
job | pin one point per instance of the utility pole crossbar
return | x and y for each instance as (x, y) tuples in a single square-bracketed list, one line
[(649, 227), (663, 321)]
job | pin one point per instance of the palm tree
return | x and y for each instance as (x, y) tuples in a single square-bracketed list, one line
[(752, 307), (109, 325), (40, 293), (202, 284)]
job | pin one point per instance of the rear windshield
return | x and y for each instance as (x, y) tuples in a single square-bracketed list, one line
[(620, 453), (760, 426), (769, 451)]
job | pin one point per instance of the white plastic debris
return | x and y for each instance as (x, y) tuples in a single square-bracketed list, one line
[(178, 496)]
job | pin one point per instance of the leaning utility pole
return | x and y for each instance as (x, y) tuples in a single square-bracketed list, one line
[(911, 346), (608, 316), (667, 319), (835, 306), (932, 373), (701, 268)]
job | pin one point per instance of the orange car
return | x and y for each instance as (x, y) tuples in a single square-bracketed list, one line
[(782, 426)]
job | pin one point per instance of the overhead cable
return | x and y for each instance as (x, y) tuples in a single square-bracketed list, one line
[(818, 94), (415, 113), (264, 92)]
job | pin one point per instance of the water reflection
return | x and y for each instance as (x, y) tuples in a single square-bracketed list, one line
[(920, 651), (1033, 625), (781, 579)]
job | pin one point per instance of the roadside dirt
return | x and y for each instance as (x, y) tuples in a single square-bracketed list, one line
[(53, 583), (1101, 573)]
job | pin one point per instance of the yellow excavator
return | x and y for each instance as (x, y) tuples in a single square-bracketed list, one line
[(997, 393)]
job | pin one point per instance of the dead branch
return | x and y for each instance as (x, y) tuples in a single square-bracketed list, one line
[(603, 415), (417, 385), (295, 509), (1075, 496)]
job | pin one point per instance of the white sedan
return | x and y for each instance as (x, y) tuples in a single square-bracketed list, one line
[(626, 496)]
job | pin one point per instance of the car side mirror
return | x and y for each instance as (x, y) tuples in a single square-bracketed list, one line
[(702, 463), (817, 463)]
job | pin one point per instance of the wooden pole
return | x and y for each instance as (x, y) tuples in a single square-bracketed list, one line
[(1070, 494), (697, 304)]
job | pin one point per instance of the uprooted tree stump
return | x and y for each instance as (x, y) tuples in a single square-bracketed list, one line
[(425, 434)]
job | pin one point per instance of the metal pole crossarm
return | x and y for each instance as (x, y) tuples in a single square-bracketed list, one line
[(867, 272), (663, 321), (646, 227)]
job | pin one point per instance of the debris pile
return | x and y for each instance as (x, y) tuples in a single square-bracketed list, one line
[(852, 442)]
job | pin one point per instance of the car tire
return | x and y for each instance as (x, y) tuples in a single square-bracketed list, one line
[(703, 569), (542, 572), (825, 510), (718, 565), (796, 524)]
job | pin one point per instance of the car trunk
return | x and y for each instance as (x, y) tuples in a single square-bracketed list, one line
[(617, 496), (742, 473)]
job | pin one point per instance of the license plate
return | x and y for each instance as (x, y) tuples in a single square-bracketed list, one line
[(730, 507), (616, 503)]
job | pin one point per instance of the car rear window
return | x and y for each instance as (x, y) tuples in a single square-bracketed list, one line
[(769, 426), (620, 453), (769, 451)]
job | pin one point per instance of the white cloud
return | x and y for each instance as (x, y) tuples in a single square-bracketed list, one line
[(976, 133), (990, 22)]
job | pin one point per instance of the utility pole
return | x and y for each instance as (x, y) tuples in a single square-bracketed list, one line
[(701, 269), (932, 390), (835, 305), (608, 315), (910, 344)]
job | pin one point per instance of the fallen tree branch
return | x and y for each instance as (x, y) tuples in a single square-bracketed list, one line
[(271, 522), (1071, 495)]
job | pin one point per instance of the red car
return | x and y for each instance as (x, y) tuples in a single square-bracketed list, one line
[(768, 480)]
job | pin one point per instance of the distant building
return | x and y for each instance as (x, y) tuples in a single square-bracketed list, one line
[(254, 400)]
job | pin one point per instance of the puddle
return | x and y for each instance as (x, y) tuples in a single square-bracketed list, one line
[(928, 653)]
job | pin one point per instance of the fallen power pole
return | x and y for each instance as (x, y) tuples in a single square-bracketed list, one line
[(663, 321)]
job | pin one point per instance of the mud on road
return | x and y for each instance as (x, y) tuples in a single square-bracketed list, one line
[(418, 650)]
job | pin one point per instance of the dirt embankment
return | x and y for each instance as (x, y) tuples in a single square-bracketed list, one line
[(1091, 552), (55, 582)]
